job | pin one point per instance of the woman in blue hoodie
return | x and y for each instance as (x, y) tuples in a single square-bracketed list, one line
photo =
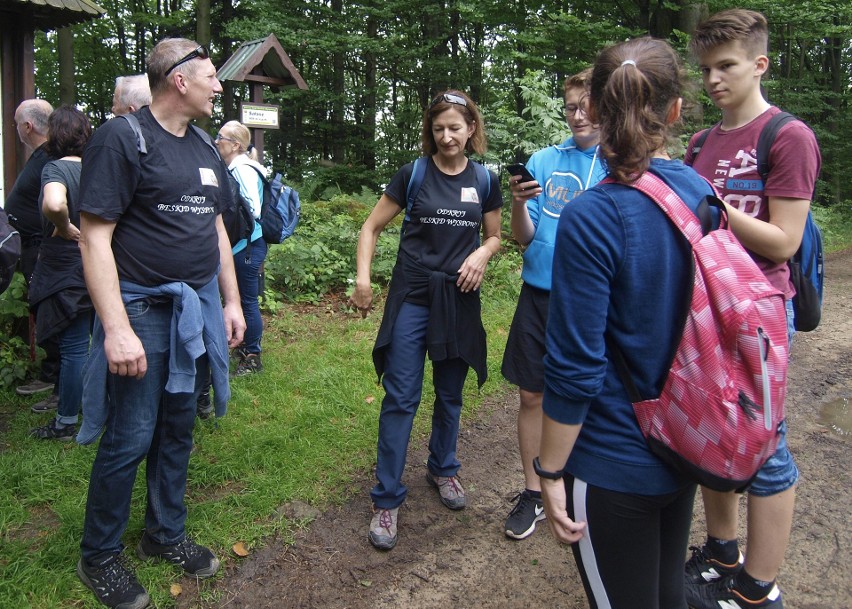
[(562, 172), (621, 270)]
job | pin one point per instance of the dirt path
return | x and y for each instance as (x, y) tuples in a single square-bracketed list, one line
[(463, 560)]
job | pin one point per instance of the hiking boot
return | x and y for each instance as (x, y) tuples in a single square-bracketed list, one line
[(383, 533), (248, 365), (527, 511), (192, 558), (449, 489), (722, 594), (54, 431), (46, 405), (203, 407), (703, 569), (37, 386), (113, 583)]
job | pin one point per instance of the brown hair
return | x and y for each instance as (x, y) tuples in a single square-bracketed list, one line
[(736, 24), (477, 143), (68, 132), (633, 87), (580, 80), (163, 56)]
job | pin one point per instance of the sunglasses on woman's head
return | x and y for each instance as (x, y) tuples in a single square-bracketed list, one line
[(450, 98)]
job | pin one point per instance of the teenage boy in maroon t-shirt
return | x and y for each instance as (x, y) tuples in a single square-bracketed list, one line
[(769, 219)]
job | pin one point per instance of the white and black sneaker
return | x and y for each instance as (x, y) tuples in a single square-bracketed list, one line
[(113, 583), (527, 511)]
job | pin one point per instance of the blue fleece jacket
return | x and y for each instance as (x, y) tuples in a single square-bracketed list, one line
[(197, 326), (563, 171), (620, 267)]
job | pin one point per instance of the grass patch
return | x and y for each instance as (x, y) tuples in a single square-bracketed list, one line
[(305, 429)]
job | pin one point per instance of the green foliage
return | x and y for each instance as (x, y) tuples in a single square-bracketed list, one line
[(15, 361), (320, 257)]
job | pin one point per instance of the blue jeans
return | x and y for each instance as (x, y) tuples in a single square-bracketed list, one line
[(144, 422), (779, 472), (73, 351), (403, 383), (248, 273)]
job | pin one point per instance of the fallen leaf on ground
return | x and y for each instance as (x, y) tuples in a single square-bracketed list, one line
[(175, 589), (240, 549)]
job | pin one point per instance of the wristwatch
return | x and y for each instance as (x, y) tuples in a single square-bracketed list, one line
[(543, 473)]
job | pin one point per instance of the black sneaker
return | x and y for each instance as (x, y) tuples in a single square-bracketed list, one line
[(203, 407), (249, 365), (722, 594), (192, 558), (527, 511), (113, 583), (54, 431), (703, 569)]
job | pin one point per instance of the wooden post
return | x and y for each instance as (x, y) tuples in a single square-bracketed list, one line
[(257, 134)]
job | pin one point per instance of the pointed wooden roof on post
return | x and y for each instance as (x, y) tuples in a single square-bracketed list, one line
[(261, 62)]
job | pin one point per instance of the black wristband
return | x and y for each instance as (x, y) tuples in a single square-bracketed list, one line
[(543, 473)]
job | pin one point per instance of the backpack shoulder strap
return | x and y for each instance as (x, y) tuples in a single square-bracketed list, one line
[(700, 139), (483, 182), (418, 174), (767, 138), (137, 130), (205, 137)]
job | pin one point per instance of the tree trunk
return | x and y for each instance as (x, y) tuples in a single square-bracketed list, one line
[(65, 42)]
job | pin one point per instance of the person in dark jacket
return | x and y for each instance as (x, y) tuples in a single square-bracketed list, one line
[(57, 289), (433, 306), (621, 270)]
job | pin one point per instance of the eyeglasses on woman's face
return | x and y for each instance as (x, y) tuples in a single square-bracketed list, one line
[(220, 137)]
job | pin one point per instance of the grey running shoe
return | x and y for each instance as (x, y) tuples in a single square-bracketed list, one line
[(54, 431), (113, 583), (527, 511), (722, 594), (37, 386), (449, 489), (383, 533), (46, 405), (194, 559), (701, 568)]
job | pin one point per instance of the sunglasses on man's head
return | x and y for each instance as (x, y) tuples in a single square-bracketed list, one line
[(199, 52), (450, 98)]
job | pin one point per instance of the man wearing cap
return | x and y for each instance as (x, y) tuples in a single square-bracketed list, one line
[(156, 259)]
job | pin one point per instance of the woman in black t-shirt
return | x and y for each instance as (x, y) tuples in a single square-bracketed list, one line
[(433, 303), (57, 289)]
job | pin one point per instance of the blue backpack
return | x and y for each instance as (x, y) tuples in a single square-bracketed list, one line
[(280, 210), (807, 266), (418, 174)]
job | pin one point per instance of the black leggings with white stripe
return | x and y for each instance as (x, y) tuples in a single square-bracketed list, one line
[(633, 549)]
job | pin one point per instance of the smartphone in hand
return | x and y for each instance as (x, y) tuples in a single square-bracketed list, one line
[(517, 169)]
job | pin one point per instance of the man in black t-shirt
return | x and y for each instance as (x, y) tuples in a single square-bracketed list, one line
[(154, 249), (24, 214)]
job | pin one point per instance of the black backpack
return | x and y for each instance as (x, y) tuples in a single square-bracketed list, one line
[(10, 250), (807, 266), (237, 217)]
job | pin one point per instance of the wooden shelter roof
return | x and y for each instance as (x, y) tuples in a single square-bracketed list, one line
[(275, 67), (52, 14)]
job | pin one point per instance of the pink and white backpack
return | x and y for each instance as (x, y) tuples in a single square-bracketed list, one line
[(720, 408)]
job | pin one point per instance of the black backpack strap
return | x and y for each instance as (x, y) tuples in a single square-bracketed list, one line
[(700, 139), (205, 137), (767, 138)]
